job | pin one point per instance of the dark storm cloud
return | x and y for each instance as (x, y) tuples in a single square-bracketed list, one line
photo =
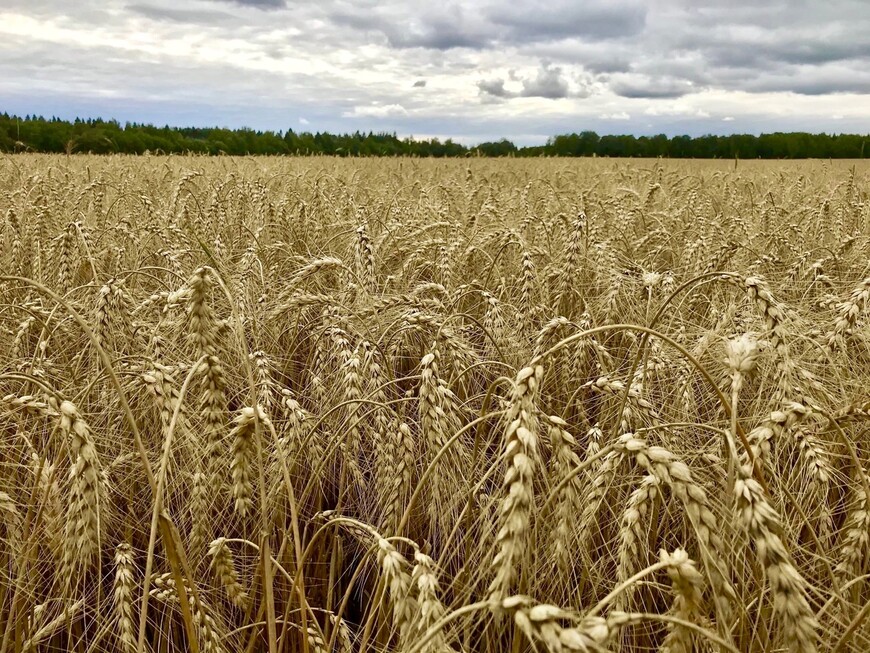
[(420, 83)]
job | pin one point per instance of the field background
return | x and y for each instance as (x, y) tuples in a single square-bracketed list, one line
[(322, 404)]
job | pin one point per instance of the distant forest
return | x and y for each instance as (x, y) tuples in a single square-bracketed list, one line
[(37, 134)]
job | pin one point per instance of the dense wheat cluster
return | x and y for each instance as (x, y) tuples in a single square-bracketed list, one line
[(424, 406)]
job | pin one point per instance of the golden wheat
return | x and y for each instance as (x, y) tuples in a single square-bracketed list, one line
[(420, 406)]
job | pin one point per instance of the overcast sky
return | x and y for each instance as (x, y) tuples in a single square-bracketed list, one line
[(471, 70)]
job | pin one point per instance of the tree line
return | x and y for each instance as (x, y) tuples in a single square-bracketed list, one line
[(38, 134)]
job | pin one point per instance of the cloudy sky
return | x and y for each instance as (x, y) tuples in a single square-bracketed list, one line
[(471, 70)]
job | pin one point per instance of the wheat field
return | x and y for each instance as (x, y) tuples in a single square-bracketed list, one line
[(256, 404)]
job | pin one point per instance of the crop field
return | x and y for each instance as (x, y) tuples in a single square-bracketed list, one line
[(418, 406)]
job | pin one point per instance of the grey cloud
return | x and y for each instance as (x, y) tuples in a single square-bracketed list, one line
[(828, 87), (435, 29), (585, 85), (494, 88), (781, 50), (83, 73), (743, 45), (355, 18), (548, 83), (195, 16), (759, 34), (690, 69), (821, 81), (591, 56), (730, 46), (420, 83), (642, 86), (454, 25), (435, 38), (824, 51), (769, 15), (444, 28), (800, 62), (547, 21), (259, 4), (604, 66), (95, 13)]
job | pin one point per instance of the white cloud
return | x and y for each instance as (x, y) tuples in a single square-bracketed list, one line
[(377, 111), (616, 115), (304, 121), (675, 109), (728, 119)]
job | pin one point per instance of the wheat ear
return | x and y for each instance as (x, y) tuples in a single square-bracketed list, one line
[(521, 455), (123, 596), (225, 570), (762, 524)]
